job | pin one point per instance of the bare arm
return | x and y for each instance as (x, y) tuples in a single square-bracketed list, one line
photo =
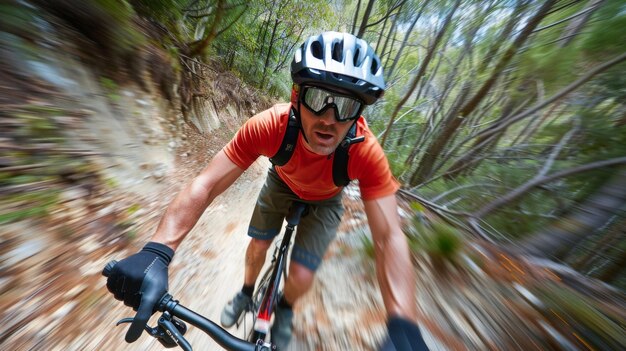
[(185, 210), (394, 269)]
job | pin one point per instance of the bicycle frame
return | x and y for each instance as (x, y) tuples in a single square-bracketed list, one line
[(270, 292)]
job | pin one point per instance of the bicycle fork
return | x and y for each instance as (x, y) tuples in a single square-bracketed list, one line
[(262, 325)]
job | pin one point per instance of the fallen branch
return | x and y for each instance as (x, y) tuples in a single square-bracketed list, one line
[(513, 195)]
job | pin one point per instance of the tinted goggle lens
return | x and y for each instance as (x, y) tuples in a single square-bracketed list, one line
[(319, 100)]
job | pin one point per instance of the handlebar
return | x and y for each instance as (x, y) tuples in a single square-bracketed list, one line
[(170, 330)]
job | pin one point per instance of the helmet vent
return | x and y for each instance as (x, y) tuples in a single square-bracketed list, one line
[(338, 51), (357, 53), (374, 66), (344, 78), (316, 50)]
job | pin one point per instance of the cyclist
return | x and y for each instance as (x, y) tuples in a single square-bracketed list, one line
[(335, 75)]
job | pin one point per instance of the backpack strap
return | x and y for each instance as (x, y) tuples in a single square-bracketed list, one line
[(290, 139), (340, 159)]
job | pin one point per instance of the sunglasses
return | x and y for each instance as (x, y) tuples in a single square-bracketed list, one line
[(319, 100)]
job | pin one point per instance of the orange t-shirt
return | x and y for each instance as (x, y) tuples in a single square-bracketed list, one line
[(307, 174)]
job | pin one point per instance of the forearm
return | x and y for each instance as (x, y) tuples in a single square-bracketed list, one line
[(396, 277), (394, 268), (185, 210), (182, 215)]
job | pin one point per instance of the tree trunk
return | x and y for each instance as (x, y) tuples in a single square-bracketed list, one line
[(506, 58), (435, 149), (420, 72), (366, 17), (577, 24), (406, 39), (588, 216), (505, 34), (356, 16), (269, 53), (382, 32), (199, 47), (481, 144), (390, 37)]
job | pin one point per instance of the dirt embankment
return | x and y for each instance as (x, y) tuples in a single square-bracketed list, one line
[(87, 168)]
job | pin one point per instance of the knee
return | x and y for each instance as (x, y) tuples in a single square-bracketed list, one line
[(300, 274), (259, 246)]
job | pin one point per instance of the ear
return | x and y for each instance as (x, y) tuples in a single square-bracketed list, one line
[(295, 93)]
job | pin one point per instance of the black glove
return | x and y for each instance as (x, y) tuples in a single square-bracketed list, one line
[(140, 280), (404, 335)]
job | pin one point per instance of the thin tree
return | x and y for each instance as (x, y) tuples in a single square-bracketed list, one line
[(407, 34), (366, 17), (593, 213), (420, 73), (453, 123)]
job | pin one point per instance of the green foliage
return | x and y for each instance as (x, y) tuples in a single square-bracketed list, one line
[(606, 36), (166, 11), (396, 163), (439, 240), (17, 20), (367, 246), (111, 88), (601, 325), (133, 209)]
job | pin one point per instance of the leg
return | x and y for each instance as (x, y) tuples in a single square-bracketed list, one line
[(255, 257), (265, 224), (315, 232), (298, 282)]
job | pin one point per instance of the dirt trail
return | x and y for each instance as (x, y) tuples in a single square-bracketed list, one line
[(208, 268)]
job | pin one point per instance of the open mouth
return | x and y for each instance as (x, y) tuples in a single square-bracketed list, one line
[(324, 136)]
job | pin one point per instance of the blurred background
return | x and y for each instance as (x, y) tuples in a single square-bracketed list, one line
[(504, 120)]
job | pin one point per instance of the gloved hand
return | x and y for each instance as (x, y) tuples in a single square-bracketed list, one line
[(140, 280), (404, 335)]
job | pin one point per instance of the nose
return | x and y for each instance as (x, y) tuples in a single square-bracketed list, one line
[(328, 117)]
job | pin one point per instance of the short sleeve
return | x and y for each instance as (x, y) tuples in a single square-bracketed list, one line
[(259, 136), (370, 166)]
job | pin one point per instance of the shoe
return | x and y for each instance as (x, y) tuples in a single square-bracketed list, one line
[(282, 328), (234, 308)]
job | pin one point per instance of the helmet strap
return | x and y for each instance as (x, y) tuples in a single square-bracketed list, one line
[(295, 94), (297, 113)]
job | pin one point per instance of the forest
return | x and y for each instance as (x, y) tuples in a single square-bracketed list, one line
[(506, 118)]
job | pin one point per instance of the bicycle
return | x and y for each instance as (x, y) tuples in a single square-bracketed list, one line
[(266, 295), (171, 327)]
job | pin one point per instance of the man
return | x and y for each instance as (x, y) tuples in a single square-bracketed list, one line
[(335, 75)]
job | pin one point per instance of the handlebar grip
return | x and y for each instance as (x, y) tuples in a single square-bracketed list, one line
[(108, 268)]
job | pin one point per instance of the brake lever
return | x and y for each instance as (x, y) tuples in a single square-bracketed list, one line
[(169, 331)]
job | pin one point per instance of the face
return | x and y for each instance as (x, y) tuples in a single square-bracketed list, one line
[(323, 132)]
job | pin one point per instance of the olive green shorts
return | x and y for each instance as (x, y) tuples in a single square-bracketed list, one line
[(317, 227)]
